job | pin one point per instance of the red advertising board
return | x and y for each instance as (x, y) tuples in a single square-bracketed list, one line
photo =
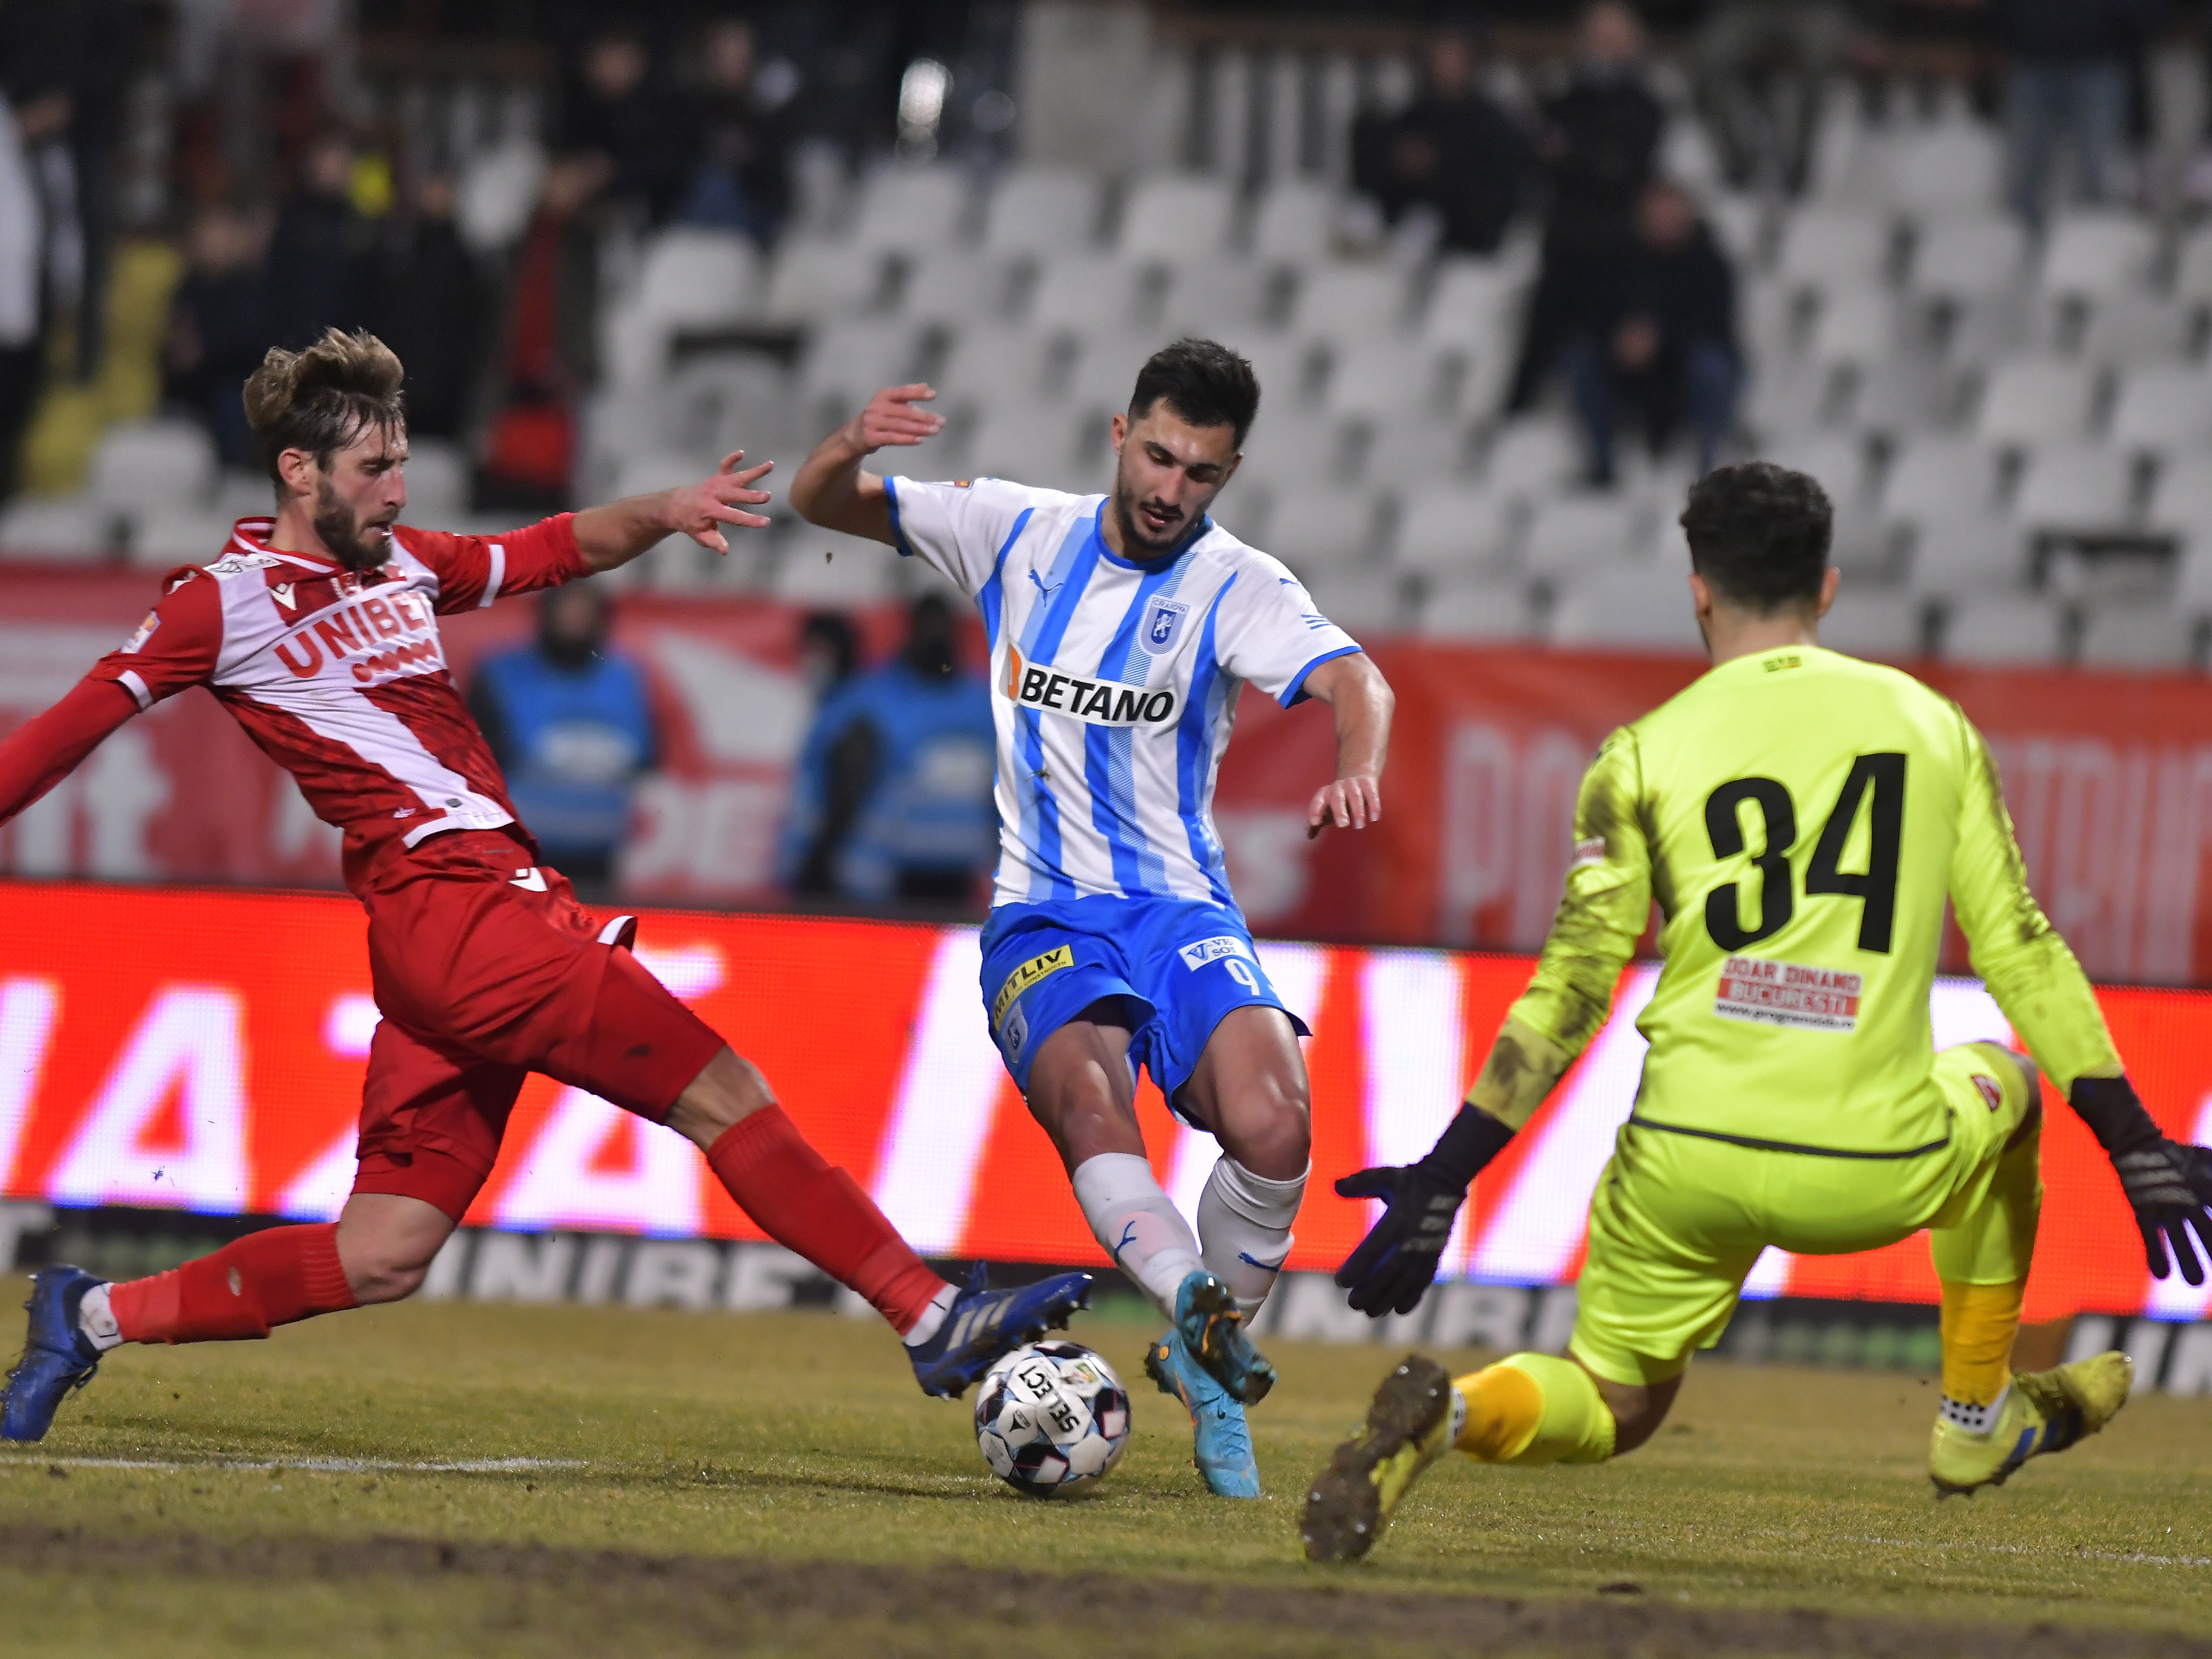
[(2109, 778), (203, 1050)]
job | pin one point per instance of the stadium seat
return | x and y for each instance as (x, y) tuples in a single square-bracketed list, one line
[(1576, 532), (1968, 257), (1856, 326), (810, 279), (1477, 609), (1944, 169), (2092, 252), (1837, 460), (2163, 408), (2130, 329), (2036, 400), (1871, 621), (1738, 220), (644, 473), (1901, 397), (906, 209), (437, 475), (2182, 498), (1960, 551), (2080, 491), (1321, 528), (722, 401), (496, 194), (1047, 212), (1084, 294), (1176, 219), (1365, 603), (1216, 298), (955, 286), (1833, 249), (1456, 532), (1348, 302), (1295, 223), (2140, 639), (989, 362), (1105, 370), (824, 568), (72, 529), (1288, 448), (159, 464), (1377, 379), (240, 493), (1404, 450), (1039, 444), (1641, 607), (694, 278), (1535, 457), (1933, 476), (1287, 369), (848, 363), (2192, 272), (2002, 629), (161, 540), (1474, 314)]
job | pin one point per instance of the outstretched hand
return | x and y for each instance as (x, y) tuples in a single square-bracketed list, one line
[(1393, 1267), (2169, 1187), (1349, 803), (699, 510), (892, 418)]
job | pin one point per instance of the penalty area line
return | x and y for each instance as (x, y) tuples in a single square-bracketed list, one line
[(310, 1465)]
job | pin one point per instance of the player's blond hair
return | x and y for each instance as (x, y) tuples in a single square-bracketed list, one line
[(323, 398)]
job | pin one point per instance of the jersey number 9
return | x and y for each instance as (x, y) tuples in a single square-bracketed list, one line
[(1875, 890)]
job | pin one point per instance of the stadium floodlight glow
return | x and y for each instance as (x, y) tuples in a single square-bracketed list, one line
[(922, 90)]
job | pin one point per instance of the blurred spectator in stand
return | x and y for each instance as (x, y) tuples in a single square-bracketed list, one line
[(1455, 152), (892, 799), (1762, 67), (1599, 138), (220, 326), (613, 108), (550, 352), (322, 256), (2067, 72), (571, 724), (1659, 338), (741, 181), (829, 653), (430, 310), (20, 354)]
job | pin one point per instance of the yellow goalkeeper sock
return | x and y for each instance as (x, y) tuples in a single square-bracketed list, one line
[(1979, 1324), (1534, 1409)]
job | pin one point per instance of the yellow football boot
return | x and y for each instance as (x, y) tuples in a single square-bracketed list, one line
[(1414, 1420), (2043, 1411)]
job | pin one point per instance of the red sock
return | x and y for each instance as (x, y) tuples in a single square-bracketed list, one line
[(808, 1204), (244, 1289)]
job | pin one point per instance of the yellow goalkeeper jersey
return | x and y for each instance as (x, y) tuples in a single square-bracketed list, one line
[(1800, 818)]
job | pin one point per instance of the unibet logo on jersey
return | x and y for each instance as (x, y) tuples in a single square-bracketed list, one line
[(1102, 703)]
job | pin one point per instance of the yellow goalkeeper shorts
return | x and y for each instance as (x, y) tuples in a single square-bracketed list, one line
[(1678, 1218)]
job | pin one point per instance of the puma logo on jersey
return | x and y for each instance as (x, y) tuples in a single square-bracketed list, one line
[(532, 880), (1101, 702)]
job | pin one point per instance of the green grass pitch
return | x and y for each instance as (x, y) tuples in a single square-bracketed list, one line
[(774, 1483)]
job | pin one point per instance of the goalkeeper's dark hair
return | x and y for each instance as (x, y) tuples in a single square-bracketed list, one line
[(1203, 382), (322, 398), (1760, 535)]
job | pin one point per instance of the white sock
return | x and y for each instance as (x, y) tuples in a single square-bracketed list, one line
[(1245, 1220), (1137, 1223), (1974, 1420), (932, 1317), (95, 1323)]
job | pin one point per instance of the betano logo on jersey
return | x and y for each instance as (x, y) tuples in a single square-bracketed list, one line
[(390, 633), (1102, 703)]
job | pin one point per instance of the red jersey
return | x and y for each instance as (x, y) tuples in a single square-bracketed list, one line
[(338, 675)]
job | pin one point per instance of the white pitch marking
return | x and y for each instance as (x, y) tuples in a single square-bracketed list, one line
[(311, 1465)]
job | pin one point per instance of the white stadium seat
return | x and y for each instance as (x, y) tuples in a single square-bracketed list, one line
[(1477, 609), (1452, 532), (848, 362), (1535, 457), (1378, 379), (1348, 301), (2140, 639), (905, 210), (1176, 219), (1836, 460), (1472, 303), (437, 474), (1968, 258), (1576, 532), (1287, 369), (1295, 222), (1935, 477), (72, 528), (1105, 370), (2076, 489), (2002, 629), (1948, 168), (1084, 294), (1869, 622), (988, 362), (1628, 607), (1215, 299), (2163, 408), (810, 279), (2035, 400), (1856, 325), (1289, 449), (1833, 249), (1035, 444), (159, 464), (1321, 528), (2183, 497), (1402, 447), (1047, 212), (2137, 329), (697, 278), (956, 286), (2092, 252), (1363, 603), (161, 540), (1964, 552), (2192, 274)]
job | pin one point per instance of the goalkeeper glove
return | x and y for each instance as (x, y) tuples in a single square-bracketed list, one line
[(2168, 1184), (1394, 1266)]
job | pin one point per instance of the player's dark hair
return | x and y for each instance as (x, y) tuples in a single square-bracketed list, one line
[(322, 398), (1759, 535), (1203, 382)]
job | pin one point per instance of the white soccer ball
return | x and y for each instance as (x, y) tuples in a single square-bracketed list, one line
[(1051, 1416)]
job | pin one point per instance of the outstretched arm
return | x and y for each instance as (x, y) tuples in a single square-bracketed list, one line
[(618, 533), (1608, 900), (47, 748), (1354, 689), (832, 491)]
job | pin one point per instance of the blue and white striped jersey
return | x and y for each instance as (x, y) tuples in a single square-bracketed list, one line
[(1114, 683)]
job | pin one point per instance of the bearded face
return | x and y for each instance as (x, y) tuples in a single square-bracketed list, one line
[(358, 540)]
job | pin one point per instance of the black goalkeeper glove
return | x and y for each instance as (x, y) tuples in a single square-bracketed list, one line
[(2168, 1184), (1394, 1265)]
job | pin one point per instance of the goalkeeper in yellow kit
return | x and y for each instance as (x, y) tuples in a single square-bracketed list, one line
[(1800, 818)]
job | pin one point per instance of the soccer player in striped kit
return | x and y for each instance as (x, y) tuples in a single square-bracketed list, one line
[(1123, 627), (317, 630)]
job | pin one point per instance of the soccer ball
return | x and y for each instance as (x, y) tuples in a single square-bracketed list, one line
[(1051, 1416)]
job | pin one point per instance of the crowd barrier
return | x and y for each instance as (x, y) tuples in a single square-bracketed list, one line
[(203, 1050), (2109, 778)]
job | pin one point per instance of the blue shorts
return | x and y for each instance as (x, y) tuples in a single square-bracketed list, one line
[(1178, 964)]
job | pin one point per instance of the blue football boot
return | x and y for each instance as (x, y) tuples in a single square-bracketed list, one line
[(1212, 1332), (1221, 1440), (56, 1359), (983, 1326)]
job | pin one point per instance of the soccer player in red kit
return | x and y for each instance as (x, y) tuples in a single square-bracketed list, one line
[(318, 631)]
